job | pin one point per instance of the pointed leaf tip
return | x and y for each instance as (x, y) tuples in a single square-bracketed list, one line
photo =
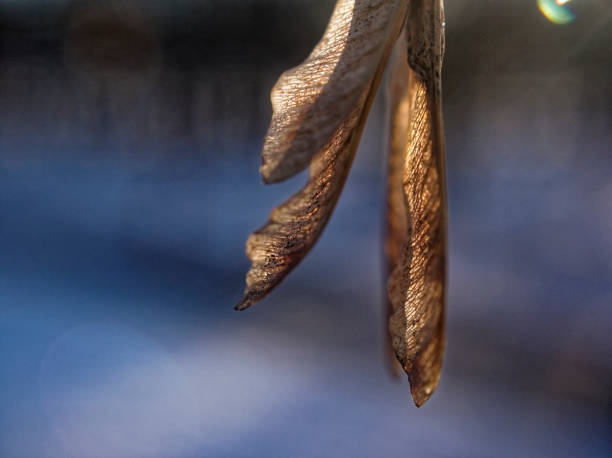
[(244, 304), (270, 175), (420, 396)]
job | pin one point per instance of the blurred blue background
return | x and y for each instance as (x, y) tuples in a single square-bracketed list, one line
[(129, 151)]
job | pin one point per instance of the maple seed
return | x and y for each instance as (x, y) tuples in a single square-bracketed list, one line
[(319, 112)]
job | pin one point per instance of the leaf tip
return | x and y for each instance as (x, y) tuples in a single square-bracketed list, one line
[(244, 304), (421, 395), (423, 385), (271, 174)]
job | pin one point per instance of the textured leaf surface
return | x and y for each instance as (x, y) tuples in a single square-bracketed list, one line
[(295, 226), (417, 283), (312, 100), (396, 217)]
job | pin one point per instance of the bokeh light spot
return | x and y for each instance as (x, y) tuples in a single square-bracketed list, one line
[(556, 11)]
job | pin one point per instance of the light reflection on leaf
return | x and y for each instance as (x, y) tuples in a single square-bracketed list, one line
[(320, 109)]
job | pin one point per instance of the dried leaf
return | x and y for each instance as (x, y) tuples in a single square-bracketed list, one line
[(320, 110), (295, 226), (396, 218), (417, 283), (312, 100)]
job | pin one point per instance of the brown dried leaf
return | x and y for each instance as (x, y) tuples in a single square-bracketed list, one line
[(295, 226), (312, 100), (417, 283), (396, 219)]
